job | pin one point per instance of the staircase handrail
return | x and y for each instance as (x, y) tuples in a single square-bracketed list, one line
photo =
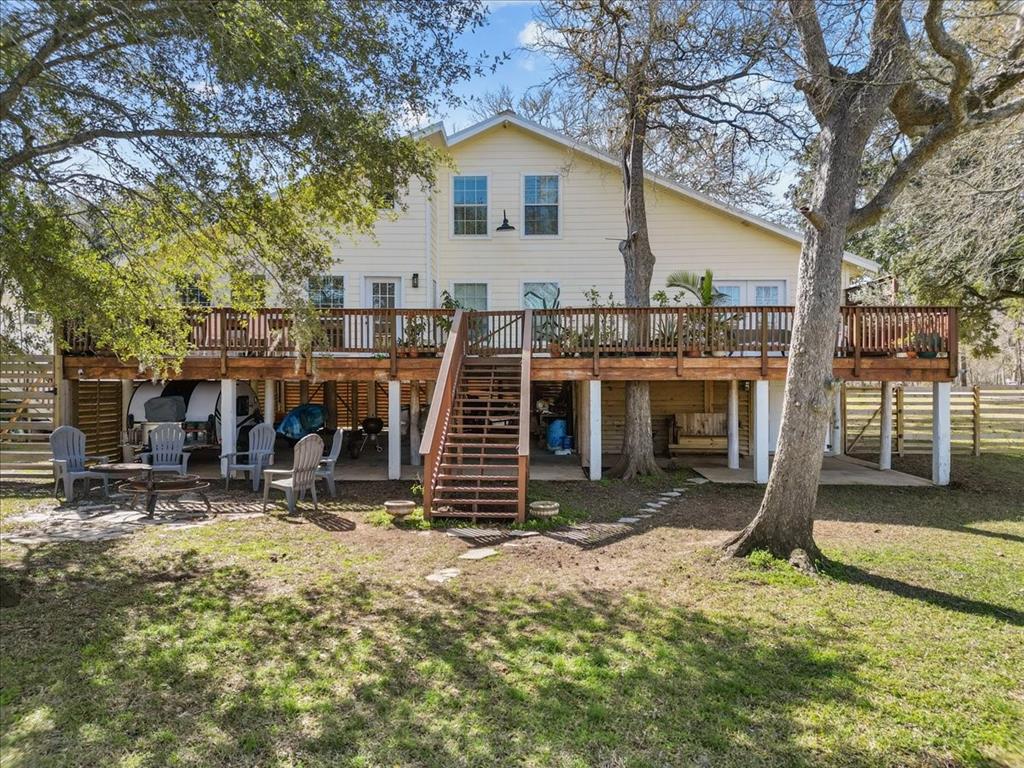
[(523, 463), (444, 395)]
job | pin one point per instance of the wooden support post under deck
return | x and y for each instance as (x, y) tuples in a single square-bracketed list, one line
[(228, 422), (414, 423), (837, 420), (303, 392), (941, 436), (269, 406), (733, 425), (595, 448), (394, 429), (885, 431), (760, 431)]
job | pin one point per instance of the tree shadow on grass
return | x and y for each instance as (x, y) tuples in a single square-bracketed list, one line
[(179, 661), (854, 575)]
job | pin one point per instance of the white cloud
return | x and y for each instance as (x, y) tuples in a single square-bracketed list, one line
[(532, 34)]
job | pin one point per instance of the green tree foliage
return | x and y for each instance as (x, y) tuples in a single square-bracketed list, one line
[(956, 235), (149, 144)]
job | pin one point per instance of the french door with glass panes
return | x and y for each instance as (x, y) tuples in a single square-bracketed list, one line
[(382, 293)]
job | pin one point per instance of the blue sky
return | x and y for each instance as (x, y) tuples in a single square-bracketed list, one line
[(508, 26)]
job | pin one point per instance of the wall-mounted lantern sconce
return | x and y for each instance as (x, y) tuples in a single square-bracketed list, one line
[(505, 226), (415, 279)]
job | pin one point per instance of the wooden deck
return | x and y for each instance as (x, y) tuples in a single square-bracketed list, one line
[(685, 343)]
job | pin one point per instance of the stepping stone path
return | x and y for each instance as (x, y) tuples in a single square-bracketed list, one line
[(671, 494), (443, 575), (697, 480), (478, 554), (629, 520)]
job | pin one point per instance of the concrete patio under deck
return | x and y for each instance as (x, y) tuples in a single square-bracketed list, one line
[(835, 470)]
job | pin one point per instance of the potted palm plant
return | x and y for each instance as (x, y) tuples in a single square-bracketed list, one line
[(712, 332)]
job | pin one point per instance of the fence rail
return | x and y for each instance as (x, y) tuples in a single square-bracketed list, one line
[(862, 331), (982, 419)]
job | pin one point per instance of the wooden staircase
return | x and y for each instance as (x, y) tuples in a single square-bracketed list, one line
[(477, 437)]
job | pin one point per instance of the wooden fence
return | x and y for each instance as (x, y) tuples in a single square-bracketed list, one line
[(983, 419), (27, 402)]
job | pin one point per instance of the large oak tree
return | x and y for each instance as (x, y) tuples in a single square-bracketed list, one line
[(672, 74), (146, 144), (932, 81)]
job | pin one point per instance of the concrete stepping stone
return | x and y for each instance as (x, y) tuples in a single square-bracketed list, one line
[(671, 494), (680, 490), (643, 517), (443, 575), (697, 480), (629, 520), (478, 554)]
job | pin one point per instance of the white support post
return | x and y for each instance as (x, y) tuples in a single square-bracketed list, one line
[(733, 424), (885, 431), (394, 429), (760, 432), (269, 407), (414, 424), (940, 432), (228, 423), (594, 396), (127, 390), (837, 420)]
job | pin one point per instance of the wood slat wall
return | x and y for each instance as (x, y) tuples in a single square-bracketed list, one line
[(667, 398), (97, 412), (27, 402), (289, 396), (984, 419)]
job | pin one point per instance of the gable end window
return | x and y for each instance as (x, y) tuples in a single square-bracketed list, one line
[(540, 205), (469, 205)]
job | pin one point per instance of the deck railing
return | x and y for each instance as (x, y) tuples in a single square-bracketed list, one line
[(863, 331)]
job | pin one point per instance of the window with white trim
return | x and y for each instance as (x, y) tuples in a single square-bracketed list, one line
[(469, 206), (540, 205), (327, 291), (470, 295), (766, 295), (540, 295)]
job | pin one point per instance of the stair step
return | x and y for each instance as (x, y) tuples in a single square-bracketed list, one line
[(441, 501), (507, 446), (493, 514), (443, 489), (484, 478)]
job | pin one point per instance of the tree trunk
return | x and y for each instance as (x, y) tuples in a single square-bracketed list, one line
[(637, 457), (785, 520)]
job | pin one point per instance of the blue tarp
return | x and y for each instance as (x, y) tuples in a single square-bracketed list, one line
[(302, 421)]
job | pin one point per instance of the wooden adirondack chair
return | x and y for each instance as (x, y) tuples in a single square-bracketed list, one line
[(300, 478), (259, 456), (326, 468), (166, 452), (69, 457)]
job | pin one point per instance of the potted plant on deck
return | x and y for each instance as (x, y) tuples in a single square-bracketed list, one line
[(703, 332)]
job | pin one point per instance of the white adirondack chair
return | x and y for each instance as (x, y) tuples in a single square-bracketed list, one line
[(166, 452), (259, 456), (69, 457), (300, 478), (326, 468)]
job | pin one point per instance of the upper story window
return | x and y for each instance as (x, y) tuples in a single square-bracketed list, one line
[(327, 291), (540, 205), (192, 295), (469, 205)]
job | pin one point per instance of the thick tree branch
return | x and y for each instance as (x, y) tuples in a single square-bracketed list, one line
[(84, 137), (955, 53), (818, 86)]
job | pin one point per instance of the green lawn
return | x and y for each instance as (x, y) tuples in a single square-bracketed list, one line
[(266, 642)]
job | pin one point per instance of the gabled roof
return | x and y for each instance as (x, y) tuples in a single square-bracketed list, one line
[(508, 117)]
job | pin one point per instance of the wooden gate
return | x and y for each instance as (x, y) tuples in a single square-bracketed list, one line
[(27, 401)]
